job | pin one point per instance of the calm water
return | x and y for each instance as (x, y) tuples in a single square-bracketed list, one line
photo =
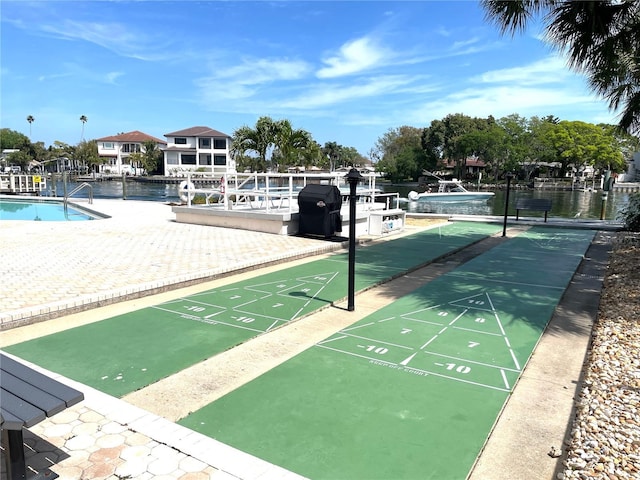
[(39, 211), (565, 204)]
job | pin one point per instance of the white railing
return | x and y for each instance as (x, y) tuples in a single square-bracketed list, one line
[(276, 191), (77, 189), (22, 183)]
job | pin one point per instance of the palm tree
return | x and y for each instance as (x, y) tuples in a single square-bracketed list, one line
[(601, 39), (83, 119), (260, 140), (30, 119), (291, 143), (332, 150)]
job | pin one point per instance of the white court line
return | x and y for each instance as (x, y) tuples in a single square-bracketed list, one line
[(484, 385), (195, 318), (359, 326), (238, 326), (258, 315), (495, 314), (379, 341), (477, 331), (520, 284), (466, 360), (458, 317), (316, 294), (406, 361), (422, 310), (504, 377), (356, 355), (168, 310), (272, 325), (331, 340), (515, 360), (386, 319), (427, 372), (432, 339), (428, 322)]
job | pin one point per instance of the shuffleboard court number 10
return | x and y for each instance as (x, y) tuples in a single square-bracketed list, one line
[(458, 368), (376, 349)]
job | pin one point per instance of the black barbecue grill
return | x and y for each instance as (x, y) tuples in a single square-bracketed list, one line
[(319, 208)]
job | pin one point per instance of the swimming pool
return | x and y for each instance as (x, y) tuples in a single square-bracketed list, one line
[(41, 210)]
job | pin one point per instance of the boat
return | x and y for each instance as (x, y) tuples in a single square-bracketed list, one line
[(449, 191)]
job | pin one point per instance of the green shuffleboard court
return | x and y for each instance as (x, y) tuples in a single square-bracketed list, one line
[(413, 390), (128, 352)]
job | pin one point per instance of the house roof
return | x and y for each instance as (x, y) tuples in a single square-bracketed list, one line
[(469, 162), (136, 136), (197, 132)]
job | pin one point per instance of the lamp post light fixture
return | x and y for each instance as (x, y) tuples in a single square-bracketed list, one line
[(353, 177), (506, 203)]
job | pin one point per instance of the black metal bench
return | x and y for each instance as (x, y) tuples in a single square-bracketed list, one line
[(535, 204), (26, 398)]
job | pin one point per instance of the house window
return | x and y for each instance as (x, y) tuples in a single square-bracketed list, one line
[(205, 159), (205, 143), (219, 159), (219, 143), (188, 159), (130, 147), (108, 145), (172, 158), (181, 141)]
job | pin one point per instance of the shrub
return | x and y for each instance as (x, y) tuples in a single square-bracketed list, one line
[(630, 214)]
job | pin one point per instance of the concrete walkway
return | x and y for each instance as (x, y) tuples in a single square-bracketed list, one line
[(50, 269), (140, 251)]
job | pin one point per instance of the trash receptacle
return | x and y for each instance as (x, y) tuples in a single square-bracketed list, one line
[(319, 209)]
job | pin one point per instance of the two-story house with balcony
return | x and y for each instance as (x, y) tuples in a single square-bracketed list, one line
[(198, 149), (115, 151)]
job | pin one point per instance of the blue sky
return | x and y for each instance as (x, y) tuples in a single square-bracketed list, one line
[(346, 71)]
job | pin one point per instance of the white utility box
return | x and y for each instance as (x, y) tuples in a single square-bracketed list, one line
[(386, 221)]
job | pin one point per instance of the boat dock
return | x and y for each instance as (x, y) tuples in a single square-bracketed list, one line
[(268, 202), (13, 184)]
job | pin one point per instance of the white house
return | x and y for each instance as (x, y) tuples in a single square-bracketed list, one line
[(115, 150), (198, 149)]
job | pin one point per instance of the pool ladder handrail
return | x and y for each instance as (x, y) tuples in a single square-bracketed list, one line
[(77, 189)]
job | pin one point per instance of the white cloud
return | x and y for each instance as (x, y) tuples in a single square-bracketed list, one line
[(115, 37), (257, 71), (548, 70), (320, 96), (111, 77), (80, 73), (354, 57), (248, 79), (504, 100), (464, 43)]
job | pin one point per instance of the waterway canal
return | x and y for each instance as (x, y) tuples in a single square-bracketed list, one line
[(565, 204)]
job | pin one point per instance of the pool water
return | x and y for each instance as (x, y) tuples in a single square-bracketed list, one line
[(40, 210)]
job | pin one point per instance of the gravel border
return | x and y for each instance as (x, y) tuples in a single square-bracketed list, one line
[(605, 437)]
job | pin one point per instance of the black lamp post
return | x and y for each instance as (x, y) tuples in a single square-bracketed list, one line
[(604, 204), (506, 203), (353, 177)]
